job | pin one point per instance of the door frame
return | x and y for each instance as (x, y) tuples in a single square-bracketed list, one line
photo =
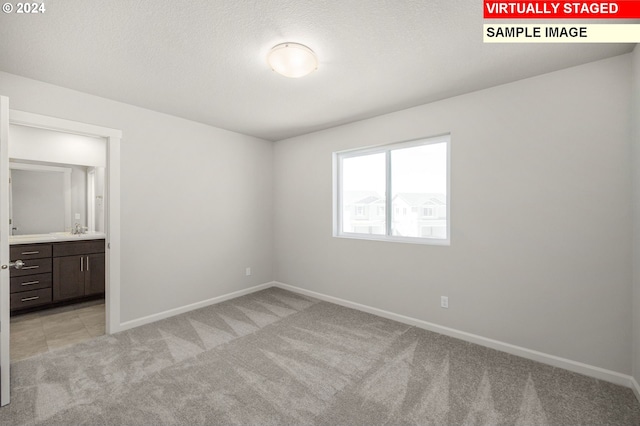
[(112, 199), (5, 322)]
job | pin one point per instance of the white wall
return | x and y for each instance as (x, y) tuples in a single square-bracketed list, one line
[(30, 143), (635, 159), (541, 217), (196, 200), (540, 253)]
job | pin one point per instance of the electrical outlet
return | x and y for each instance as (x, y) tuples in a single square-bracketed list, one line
[(77, 216), (444, 302), (248, 271)]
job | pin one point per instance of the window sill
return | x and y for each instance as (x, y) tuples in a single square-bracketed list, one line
[(385, 238)]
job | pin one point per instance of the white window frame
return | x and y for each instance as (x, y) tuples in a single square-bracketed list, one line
[(338, 159)]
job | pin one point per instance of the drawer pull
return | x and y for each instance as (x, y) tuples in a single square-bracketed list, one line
[(30, 283), (30, 252), (31, 267), (28, 299)]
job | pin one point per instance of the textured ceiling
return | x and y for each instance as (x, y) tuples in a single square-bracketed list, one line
[(205, 60)]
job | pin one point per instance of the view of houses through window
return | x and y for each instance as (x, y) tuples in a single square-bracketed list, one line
[(415, 174)]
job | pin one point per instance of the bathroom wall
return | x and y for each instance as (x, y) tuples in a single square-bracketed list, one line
[(30, 143)]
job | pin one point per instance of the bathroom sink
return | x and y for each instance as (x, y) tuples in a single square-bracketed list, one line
[(54, 236), (68, 236), (31, 237)]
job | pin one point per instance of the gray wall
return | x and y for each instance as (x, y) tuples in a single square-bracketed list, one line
[(541, 215), (196, 200), (540, 212), (635, 159)]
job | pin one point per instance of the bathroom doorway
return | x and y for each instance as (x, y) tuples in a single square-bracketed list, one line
[(108, 203), (53, 213)]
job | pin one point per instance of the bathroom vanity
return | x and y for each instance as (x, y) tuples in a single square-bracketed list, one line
[(57, 268)]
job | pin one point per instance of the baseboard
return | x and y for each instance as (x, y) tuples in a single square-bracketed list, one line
[(182, 309), (635, 387), (567, 364)]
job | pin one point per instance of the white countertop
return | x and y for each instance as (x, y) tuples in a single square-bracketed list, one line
[(54, 237)]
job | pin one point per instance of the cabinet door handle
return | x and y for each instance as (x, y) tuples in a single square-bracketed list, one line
[(31, 267), (26, 299), (30, 283), (81, 264), (87, 263), (30, 252)]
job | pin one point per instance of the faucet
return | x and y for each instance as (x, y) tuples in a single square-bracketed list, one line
[(79, 229)]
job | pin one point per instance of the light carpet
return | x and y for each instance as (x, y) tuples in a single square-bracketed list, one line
[(275, 357)]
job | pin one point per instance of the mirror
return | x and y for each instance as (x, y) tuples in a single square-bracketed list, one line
[(52, 197), (57, 180)]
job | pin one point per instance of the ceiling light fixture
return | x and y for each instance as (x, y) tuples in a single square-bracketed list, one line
[(292, 60)]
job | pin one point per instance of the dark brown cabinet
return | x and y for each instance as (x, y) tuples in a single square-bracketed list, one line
[(57, 272), (31, 285), (78, 275), (68, 277), (94, 284)]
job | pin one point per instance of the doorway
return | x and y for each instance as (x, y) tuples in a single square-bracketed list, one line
[(57, 303), (111, 218)]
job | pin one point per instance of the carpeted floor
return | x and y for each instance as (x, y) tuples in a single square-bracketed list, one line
[(274, 357)]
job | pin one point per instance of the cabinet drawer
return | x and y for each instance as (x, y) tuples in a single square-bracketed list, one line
[(27, 299), (33, 266), (78, 247), (30, 282), (31, 251)]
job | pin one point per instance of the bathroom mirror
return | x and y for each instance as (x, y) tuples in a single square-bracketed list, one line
[(50, 197)]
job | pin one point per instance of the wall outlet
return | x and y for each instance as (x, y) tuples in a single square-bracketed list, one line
[(248, 271), (444, 302), (77, 216)]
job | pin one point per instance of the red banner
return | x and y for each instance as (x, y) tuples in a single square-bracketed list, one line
[(622, 9)]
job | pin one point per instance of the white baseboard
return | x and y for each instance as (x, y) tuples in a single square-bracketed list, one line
[(182, 309), (635, 387), (567, 364)]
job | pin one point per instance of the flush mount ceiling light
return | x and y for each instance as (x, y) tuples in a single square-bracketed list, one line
[(292, 60)]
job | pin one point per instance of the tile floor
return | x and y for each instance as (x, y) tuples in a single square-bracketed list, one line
[(42, 331)]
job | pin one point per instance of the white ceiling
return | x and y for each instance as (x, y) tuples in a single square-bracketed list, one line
[(205, 60)]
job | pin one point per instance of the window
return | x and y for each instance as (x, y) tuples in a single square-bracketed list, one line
[(398, 179), (427, 211)]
